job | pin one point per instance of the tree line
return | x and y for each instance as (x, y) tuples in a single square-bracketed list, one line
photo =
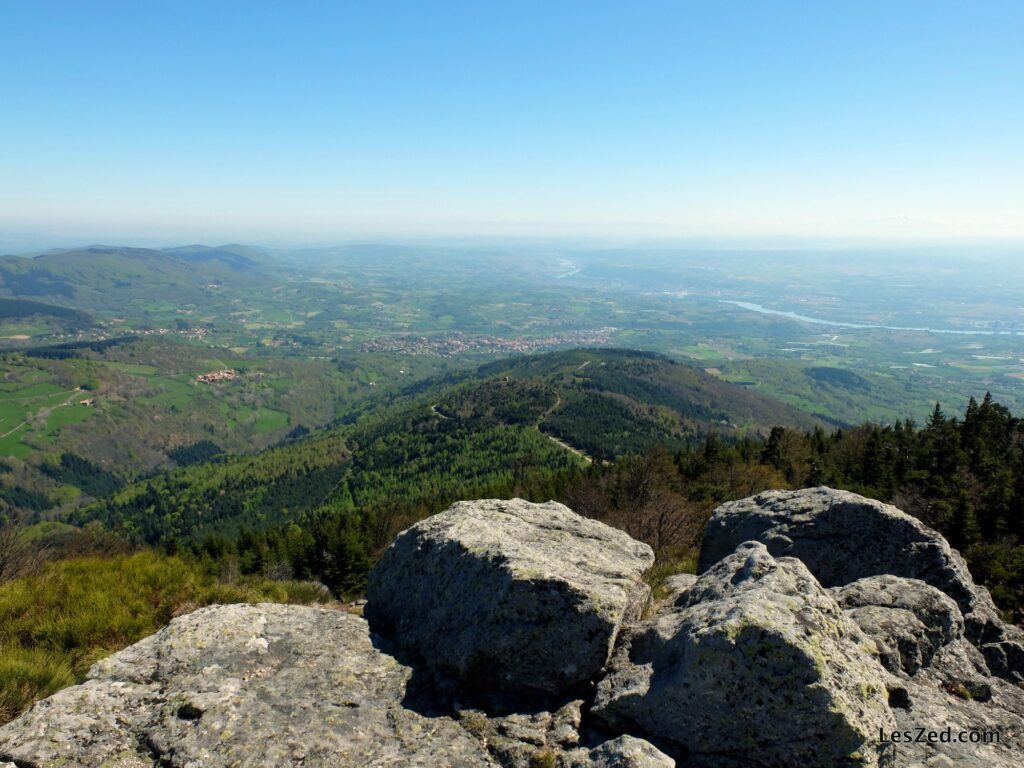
[(324, 507)]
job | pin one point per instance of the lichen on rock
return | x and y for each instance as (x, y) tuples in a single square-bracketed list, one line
[(756, 662)]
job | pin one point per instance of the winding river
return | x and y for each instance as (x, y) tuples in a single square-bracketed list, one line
[(837, 323)]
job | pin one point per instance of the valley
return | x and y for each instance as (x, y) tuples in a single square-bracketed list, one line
[(282, 415)]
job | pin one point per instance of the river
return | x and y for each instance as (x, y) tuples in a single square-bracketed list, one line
[(837, 323)]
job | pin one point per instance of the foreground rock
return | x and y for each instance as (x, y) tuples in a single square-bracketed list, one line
[(264, 685), (909, 619), (756, 664), (941, 680), (508, 596), (842, 537), (503, 614)]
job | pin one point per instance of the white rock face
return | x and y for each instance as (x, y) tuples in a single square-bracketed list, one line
[(509, 596)]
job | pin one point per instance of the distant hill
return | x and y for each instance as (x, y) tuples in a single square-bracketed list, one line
[(236, 257), (20, 309), (112, 277)]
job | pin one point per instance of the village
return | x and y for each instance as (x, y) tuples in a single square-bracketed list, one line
[(213, 377), (459, 343)]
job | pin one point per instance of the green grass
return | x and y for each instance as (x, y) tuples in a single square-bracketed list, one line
[(12, 445), (669, 563), (268, 420), (63, 416), (32, 393), (26, 403), (22, 329), (54, 625)]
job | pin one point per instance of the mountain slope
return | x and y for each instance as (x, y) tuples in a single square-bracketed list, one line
[(110, 278), (607, 402), (412, 458), (511, 424)]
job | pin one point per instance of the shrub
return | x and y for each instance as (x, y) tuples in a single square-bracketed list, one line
[(56, 623)]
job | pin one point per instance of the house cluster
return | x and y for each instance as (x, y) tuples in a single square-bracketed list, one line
[(228, 374)]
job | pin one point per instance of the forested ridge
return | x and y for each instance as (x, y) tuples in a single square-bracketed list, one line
[(313, 513), (471, 436), (322, 507)]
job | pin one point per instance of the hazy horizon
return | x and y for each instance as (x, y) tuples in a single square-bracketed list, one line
[(32, 245), (312, 124)]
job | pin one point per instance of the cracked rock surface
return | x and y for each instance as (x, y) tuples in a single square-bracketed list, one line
[(254, 685)]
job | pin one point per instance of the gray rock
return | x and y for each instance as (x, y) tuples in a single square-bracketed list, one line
[(757, 664), (679, 584), (751, 664), (842, 537), (623, 752), (909, 619), (539, 739), (953, 692), (509, 596), (264, 685)]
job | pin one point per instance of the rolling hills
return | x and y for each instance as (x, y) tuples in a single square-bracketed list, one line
[(530, 421), (116, 279)]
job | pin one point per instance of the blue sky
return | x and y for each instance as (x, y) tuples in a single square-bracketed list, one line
[(312, 122)]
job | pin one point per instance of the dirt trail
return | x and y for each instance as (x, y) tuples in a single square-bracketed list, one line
[(12, 431), (567, 447), (552, 438)]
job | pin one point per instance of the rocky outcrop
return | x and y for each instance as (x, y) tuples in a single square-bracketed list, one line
[(268, 686), (678, 584), (909, 620), (263, 685), (842, 537), (509, 596), (755, 662), (769, 658)]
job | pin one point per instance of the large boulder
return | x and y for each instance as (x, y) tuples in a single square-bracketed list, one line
[(842, 537), (264, 686), (253, 685), (508, 597), (756, 664)]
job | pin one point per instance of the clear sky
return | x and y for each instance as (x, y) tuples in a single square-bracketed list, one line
[(317, 121)]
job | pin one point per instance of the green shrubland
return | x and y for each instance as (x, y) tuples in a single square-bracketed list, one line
[(54, 624)]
